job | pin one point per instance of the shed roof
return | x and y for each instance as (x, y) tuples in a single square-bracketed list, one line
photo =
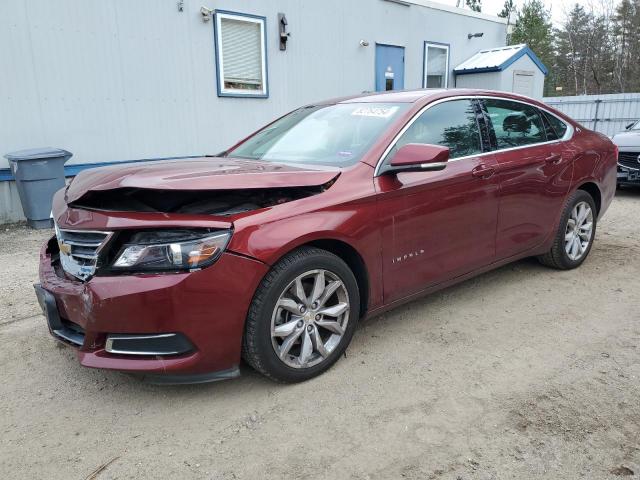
[(497, 59)]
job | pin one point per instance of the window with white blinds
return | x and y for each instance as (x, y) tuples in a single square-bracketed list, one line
[(240, 46)]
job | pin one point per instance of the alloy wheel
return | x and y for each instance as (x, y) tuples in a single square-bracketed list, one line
[(310, 318), (579, 231)]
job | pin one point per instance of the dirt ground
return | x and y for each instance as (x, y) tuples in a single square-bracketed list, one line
[(521, 373)]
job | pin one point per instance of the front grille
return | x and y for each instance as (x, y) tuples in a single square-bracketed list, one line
[(629, 160), (79, 250)]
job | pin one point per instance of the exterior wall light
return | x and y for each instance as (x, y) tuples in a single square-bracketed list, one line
[(206, 14), (474, 35), (282, 27)]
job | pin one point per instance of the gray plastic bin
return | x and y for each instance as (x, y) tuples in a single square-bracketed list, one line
[(39, 173)]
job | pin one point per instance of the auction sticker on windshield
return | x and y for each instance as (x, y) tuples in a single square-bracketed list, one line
[(381, 112)]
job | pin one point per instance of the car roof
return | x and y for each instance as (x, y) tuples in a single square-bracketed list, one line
[(421, 95), (427, 95), (399, 96)]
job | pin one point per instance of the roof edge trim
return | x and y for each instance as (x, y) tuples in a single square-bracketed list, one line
[(452, 9)]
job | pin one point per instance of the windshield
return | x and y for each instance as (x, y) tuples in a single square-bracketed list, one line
[(336, 135), (635, 126)]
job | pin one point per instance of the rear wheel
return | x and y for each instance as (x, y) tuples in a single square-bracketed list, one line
[(575, 235), (302, 316)]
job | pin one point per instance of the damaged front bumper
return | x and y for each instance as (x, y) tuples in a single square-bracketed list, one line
[(171, 327)]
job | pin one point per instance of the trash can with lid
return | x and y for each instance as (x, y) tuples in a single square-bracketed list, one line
[(39, 173)]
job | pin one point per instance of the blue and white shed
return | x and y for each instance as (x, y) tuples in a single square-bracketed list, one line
[(511, 69)]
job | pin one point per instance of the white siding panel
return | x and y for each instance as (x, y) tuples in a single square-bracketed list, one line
[(121, 80), (486, 81)]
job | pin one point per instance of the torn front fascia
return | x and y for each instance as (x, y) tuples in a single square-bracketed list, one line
[(205, 202)]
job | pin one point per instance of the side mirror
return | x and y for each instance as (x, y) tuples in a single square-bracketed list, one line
[(419, 157)]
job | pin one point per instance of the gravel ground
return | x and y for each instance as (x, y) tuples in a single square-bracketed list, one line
[(522, 373)]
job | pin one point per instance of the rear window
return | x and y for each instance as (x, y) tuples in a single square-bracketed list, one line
[(559, 128), (515, 124)]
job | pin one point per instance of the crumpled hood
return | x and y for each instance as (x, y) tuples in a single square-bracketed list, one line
[(206, 173), (627, 139)]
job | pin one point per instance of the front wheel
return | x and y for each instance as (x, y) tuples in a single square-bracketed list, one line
[(575, 235), (302, 316)]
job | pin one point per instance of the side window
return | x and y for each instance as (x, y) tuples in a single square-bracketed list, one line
[(451, 124), (558, 127), (548, 129), (515, 124)]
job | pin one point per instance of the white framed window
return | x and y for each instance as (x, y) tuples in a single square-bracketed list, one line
[(436, 65), (241, 56)]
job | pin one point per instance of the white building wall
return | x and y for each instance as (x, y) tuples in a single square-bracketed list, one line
[(10, 206), (124, 80)]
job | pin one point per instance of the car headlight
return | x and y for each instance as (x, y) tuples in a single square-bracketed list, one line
[(166, 250)]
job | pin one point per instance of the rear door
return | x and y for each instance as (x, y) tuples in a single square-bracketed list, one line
[(441, 224), (534, 173)]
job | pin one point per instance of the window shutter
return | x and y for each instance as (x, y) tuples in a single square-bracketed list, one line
[(241, 52)]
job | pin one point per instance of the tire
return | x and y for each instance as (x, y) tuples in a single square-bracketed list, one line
[(560, 255), (269, 325)]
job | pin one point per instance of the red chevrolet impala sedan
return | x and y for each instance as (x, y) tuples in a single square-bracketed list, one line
[(275, 249)]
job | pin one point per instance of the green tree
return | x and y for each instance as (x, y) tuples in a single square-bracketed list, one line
[(626, 40), (533, 27), (595, 50), (572, 39), (508, 9), (586, 54), (475, 5)]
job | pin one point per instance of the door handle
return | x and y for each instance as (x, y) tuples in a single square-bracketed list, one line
[(554, 158), (483, 171)]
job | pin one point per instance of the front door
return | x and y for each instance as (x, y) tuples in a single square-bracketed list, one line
[(389, 67), (438, 225)]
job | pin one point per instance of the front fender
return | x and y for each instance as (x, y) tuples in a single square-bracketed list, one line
[(356, 225), (270, 242)]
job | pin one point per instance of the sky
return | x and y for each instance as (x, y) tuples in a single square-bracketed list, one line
[(493, 7)]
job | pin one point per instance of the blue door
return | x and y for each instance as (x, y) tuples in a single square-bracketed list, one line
[(389, 67)]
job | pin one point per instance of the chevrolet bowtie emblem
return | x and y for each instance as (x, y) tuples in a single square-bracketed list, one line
[(64, 248)]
